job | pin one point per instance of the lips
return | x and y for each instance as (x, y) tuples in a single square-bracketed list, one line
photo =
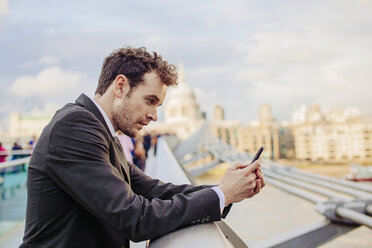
[(140, 124), (143, 123)]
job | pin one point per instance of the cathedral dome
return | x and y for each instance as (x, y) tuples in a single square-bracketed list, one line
[(181, 104), (183, 90)]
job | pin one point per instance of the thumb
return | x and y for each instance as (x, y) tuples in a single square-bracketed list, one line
[(252, 167), (236, 166)]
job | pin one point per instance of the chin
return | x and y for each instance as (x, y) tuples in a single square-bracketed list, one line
[(131, 133)]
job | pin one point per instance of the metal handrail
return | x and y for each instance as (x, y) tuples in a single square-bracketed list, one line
[(343, 189), (355, 216), (14, 162), (16, 152), (325, 192), (205, 235)]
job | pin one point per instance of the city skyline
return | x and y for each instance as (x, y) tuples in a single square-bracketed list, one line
[(238, 54), (312, 133)]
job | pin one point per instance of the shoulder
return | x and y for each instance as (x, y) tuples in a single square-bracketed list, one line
[(75, 120), (74, 113), (73, 116)]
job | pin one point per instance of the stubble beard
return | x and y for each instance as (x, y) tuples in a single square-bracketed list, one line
[(122, 119)]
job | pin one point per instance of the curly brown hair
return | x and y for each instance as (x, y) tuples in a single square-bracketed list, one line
[(134, 63)]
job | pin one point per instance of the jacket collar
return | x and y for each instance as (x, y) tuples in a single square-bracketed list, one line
[(84, 101)]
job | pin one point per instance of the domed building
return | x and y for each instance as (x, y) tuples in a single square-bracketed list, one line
[(181, 105)]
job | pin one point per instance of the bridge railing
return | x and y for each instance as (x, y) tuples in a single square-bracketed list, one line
[(13, 174), (166, 167), (345, 205), (16, 152)]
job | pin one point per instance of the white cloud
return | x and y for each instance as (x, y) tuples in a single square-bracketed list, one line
[(51, 81), (48, 108), (318, 60), (44, 60), (255, 75), (48, 60), (244, 52)]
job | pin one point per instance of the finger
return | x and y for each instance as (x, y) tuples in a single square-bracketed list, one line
[(252, 177), (259, 174), (263, 183), (252, 167), (258, 187), (262, 178)]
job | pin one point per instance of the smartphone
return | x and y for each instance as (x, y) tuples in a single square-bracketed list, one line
[(257, 154)]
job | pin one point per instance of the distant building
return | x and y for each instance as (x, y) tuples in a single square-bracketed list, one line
[(265, 114), (226, 130), (27, 125), (264, 132), (332, 135), (276, 139), (286, 141), (219, 113)]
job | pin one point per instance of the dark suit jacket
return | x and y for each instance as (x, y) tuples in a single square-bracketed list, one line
[(83, 193)]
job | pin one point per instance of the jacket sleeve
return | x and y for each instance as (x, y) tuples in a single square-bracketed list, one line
[(78, 161), (151, 188)]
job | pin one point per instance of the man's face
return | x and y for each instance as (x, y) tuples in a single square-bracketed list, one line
[(139, 106)]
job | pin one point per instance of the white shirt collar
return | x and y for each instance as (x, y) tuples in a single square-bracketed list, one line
[(108, 122)]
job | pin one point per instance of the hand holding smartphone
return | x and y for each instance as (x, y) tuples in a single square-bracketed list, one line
[(258, 154)]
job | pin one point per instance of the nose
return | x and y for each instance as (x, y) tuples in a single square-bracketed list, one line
[(153, 114)]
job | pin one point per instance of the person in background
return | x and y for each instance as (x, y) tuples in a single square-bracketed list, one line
[(128, 146), (17, 148), (32, 142), (154, 142), (147, 143), (139, 157), (3, 153)]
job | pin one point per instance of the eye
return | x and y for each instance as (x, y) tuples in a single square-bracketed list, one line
[(150, 101)]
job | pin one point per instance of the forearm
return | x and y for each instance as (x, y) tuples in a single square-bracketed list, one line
[(151, 188)]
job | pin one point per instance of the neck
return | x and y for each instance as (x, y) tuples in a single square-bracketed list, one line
[(106, 104)]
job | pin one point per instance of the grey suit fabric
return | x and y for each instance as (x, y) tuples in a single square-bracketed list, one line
[(83, 193)]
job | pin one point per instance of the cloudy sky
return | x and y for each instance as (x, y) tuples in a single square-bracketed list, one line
[(239, 54)]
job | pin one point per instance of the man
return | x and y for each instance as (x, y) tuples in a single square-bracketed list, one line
[(81, 190)]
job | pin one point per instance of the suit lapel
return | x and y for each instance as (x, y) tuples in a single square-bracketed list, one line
[(123, 160), (87, 103)]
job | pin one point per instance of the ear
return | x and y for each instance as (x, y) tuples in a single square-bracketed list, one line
[(121, 86)]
